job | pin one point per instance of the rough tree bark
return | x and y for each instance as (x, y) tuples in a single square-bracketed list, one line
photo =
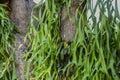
[(68, 28), (20, 15), (67, 24)]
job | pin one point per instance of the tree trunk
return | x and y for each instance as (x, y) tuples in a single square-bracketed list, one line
[(20, 15), (67, 24), (68, 28)]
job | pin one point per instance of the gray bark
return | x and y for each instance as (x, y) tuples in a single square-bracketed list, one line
[(68, 28), (67, 25), (20, 15)]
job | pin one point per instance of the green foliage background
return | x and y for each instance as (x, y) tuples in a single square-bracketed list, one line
[(93, 54), (7, 40)]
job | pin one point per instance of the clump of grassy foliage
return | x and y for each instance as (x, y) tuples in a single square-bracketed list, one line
[(93, 54), (6, 45)]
